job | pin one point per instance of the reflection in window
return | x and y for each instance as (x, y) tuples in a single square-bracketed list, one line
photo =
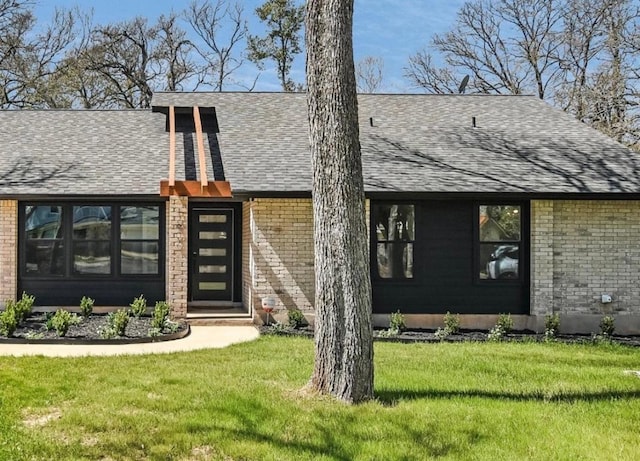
[(92, 222), (395, 235), (139, 257), (44, 240), (92, 258), (44, 257), (139, 232), (500, 235), (91, 240), (139, 223), (43, 222)]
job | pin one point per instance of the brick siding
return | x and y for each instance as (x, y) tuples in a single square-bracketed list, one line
[(177, 258), (581, 250), (8, 250), (278, 254)]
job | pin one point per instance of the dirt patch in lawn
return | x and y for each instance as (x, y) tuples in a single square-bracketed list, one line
[(33, 420)]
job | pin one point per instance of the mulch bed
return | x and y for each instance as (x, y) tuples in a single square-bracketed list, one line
[(428, 336), (88, 331)]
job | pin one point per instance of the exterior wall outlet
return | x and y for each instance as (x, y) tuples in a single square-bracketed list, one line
[(606, 299)]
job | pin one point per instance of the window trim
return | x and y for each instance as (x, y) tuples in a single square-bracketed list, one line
[(523, 243), (115, 240), (373, 242)]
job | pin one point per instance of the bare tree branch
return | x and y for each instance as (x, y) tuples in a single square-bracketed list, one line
[(207, 20)]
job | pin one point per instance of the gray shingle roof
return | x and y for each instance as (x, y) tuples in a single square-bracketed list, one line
[(418, 143), (422, 143), (77, 152)]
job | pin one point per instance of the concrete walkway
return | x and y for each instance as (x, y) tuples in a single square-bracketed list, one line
[(200, 338)]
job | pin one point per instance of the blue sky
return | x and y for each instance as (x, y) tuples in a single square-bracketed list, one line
[(392, 30)]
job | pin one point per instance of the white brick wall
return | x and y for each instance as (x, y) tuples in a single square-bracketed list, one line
[(541, 257), (581, 250), (278, 253), (8, 250)]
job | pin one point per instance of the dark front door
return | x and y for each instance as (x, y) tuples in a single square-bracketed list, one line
[(212, 254)]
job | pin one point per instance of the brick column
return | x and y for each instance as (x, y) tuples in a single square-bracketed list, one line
[(177, 256), (542, 223), (8, 250)]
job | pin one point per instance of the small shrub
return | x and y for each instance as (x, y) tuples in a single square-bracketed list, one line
[(62, 320), (107, 333), (278, 328), (86, 306), (116, 324), (396, 325), (171, 327), (451, 326), (48, 321), (551, 326), (452, 323), (160, 315), (389, 333), (441, 334), (505, 322), (601, 339), (34, 335), (120, 320), (8, 321), (154, 332), (607, 326), (138, 306), (23, 306), (396, 322), (496, 334), (296, 318)]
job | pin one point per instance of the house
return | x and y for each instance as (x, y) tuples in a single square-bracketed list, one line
[(477, 205)]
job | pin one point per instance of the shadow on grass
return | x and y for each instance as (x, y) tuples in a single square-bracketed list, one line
[(336, 435), (390, 397)]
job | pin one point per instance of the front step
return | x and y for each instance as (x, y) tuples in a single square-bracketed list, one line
[(219, 321)]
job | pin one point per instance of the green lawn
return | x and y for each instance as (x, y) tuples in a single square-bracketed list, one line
[(439, 401)]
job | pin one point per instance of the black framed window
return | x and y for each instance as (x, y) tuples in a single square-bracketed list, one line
[(395, 235), (500, 242), (91, 240)]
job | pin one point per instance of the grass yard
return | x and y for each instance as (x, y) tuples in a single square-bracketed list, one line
[(435, 401)]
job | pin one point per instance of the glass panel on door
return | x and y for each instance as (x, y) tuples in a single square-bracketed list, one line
[(212, 254)]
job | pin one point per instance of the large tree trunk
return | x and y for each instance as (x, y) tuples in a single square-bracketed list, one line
[(343, 332)]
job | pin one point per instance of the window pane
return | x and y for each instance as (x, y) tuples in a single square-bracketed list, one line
[(139, 258), (395, 260), (212, 286), (212, 252), (213, 218), (139, 223), (499, 261), (395, 222), (44, 257), (43, 222), (92, 258), (214, 235), (212, 269), (92, 222), (499, 223)]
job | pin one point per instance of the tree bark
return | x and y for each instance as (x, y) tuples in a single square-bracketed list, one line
[(343, 331)]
